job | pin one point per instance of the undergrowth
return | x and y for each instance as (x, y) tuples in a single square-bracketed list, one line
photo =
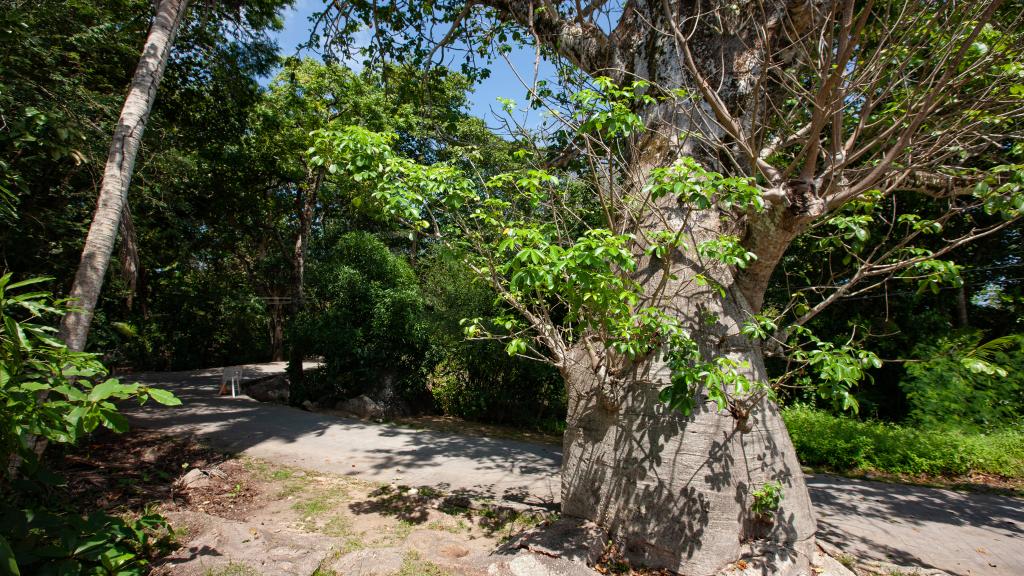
[(843, 444)]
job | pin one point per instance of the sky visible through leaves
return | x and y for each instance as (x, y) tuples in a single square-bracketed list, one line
[(503, 82)]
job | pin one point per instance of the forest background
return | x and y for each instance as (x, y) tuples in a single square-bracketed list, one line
[(206, 268)]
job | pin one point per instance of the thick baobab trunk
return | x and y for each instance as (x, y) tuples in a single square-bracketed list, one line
[(677, 491), (117, 174)]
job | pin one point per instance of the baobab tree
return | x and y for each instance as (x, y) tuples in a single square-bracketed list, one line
[(707, 136)]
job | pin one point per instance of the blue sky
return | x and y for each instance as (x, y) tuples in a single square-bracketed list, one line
[(503, 81)]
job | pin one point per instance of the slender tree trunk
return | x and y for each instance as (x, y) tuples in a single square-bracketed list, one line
[(117, 174), (276, 333), (305, 204), (961, 307)]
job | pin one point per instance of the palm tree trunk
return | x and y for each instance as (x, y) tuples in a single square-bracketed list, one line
[(117, 174)]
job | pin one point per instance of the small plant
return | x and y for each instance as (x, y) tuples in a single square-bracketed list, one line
[(281, 474), (847, 560), (767, 499), (232, 569), (38, 540), (413, 565)]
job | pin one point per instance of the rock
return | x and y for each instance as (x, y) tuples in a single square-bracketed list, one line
[(825, 565), (453, 551), (369, 562), (760, 558), (448, 551), (307, 405), (226, 546), (194, 478), (529, 564), (573, 539), (271, 389), (564, 547), (362, 406)]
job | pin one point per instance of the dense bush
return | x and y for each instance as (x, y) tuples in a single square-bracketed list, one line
[(383, 331), (844, 444), (197, 319), (478, 380), (943, 392), (364, 316)]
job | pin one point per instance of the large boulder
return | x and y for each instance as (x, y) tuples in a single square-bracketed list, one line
[(270, 389), (362, 406)]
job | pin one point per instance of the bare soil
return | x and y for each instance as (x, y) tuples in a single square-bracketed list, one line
[(250, 517)]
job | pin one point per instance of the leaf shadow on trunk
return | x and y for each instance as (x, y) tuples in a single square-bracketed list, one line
[(675, 491)]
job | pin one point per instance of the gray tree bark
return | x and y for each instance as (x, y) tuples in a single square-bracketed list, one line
[(305, 204), (276, 332), (117, 174), (677, 491)]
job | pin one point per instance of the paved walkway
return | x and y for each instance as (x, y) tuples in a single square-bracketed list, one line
[(484, 466), (963, 534)]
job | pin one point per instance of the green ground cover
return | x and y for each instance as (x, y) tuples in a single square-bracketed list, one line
[(846, 445)]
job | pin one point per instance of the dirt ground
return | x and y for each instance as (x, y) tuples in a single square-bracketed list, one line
[(241, 516)]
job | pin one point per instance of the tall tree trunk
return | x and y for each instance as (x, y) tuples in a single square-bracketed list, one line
[(961, 307), (276, 333), (676, 490), (305, 203), (117, 174)]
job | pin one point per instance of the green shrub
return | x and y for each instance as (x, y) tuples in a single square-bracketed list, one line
[(844, 444), (41, 541), (364, 316), (943, 392), (46, 390), (52, 394), (478, 380)]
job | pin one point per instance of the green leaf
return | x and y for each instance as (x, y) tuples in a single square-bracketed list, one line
[(114, 420), (165, 397), (29, 282), (105, 390), (8, 563), (15, 332)]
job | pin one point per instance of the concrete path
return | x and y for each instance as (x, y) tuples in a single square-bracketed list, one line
[(962, 534), (490, 468)]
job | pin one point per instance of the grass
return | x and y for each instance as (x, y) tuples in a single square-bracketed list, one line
[(232, 569), (316, 503), (412, 565), (846, 445), (459, 526), (847, 560)]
